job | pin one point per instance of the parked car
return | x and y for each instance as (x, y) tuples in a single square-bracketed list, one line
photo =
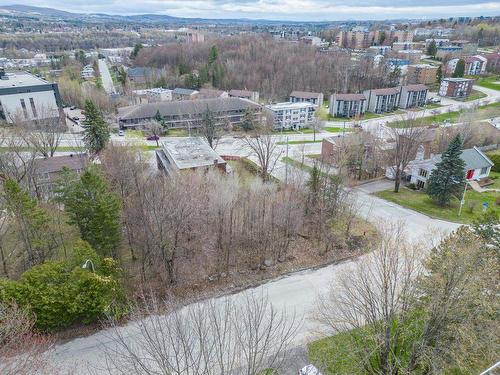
[(75, 118), (309, 370), (153, 138), (121, 133), (72, 107)]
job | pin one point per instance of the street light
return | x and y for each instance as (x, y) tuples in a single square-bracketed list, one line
[(88, 265)]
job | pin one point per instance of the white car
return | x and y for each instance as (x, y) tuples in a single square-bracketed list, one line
[(121, 133), (309, 370)]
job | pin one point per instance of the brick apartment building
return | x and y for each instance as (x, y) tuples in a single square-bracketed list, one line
[(456, 87), (421, 73)]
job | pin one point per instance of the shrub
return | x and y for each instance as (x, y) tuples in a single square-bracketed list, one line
[(495, 158), (61, 293)]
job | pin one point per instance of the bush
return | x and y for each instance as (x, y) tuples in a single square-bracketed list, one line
[(412, 186), (495, 158), (61, 293)]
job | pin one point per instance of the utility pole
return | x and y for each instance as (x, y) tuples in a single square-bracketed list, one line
[(462, 201), (286, 164)]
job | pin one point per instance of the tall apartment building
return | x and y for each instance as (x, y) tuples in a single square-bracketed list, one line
[(456, 87), (382, 100), (306, 96), (413, 96), (288, 115), (475, 65), (355, 39), (347, 105), (25, 97), (421, 73)]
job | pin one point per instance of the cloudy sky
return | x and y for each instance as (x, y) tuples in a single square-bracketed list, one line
[(306, 10)]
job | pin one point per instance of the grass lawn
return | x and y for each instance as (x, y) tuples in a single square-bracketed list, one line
[(296, 164), (495, 176), (297, 142), (301, 131), (474, 95), (481, 113), (177, 133), (333, 356), (489, 82), (336, 129), (314, 156), (420, 201)]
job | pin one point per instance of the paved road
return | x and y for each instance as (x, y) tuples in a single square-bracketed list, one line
[(297, 291), (107, 81)]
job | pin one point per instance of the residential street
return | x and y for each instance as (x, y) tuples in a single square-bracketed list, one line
[(107, 81), (296, 292)]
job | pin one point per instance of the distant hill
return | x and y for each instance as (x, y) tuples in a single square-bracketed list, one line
[(51, 13)]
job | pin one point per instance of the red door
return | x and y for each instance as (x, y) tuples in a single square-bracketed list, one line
[(470, 173)]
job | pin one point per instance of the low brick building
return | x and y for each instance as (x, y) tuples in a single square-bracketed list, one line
[(456, 87)]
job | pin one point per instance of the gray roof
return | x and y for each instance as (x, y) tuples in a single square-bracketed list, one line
[(21, 79), (386, 91), (57, 163), (416, 87), (184, 107), (305, 94), (182, 91), (475, 159), (141, 71), (241, 93), (350, 97), (190, 152)]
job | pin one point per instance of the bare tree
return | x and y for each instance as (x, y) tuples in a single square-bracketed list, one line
[(44, 133), (377, 293), (263, 145), (155, 129), (16, 161), (22, 351), (246, 335), (406, 143)]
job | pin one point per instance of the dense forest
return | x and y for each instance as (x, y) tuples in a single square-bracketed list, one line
[(272, 67)]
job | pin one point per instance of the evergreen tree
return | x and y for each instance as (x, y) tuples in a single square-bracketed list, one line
[(159, 118), (209, 127), (95, 129), (395, 76), (213, 55), (381, 38), (459, 69), (447, 180), (247, 123), (432, 48), (136, 50), (93, 208), (439, 74), (32, 223)]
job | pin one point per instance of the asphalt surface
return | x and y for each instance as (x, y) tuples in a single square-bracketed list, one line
[(107, 81)]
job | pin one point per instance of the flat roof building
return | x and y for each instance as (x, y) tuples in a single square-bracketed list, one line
[(347, 105), (25, 97), (457, 88), (188, 113), (180, 154), (421, 73), (306, 96), (245, 94), (289, 115)]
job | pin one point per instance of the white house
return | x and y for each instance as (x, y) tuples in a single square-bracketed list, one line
[(477, 167)]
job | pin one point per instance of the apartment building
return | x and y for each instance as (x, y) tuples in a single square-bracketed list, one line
[(379, 50), (449, 51), (212, 93), (359, 39), (25, 97), (157, 94), (245, 94), (493, 62), (289, 115), (412, 55), (421, 73), (475, 65), (188, 114), (456, 87), (413, 96), (306, 96), (347, 105), (382, 100)]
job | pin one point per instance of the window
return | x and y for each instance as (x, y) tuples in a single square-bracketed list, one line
[(484, 170), (420, 184), (423, 173), (43, 176), (25, 111), (33, 108)]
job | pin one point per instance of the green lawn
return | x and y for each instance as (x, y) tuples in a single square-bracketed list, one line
[(177, 133), (314, 156), (489, 82), (482, 112), (296, 164), (301, 131), (336, 129), (333, 356), (420, 201), (495, 176), (474, 95), (297, 142)]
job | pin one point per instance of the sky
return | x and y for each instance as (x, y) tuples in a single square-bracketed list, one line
[(293, 10)]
